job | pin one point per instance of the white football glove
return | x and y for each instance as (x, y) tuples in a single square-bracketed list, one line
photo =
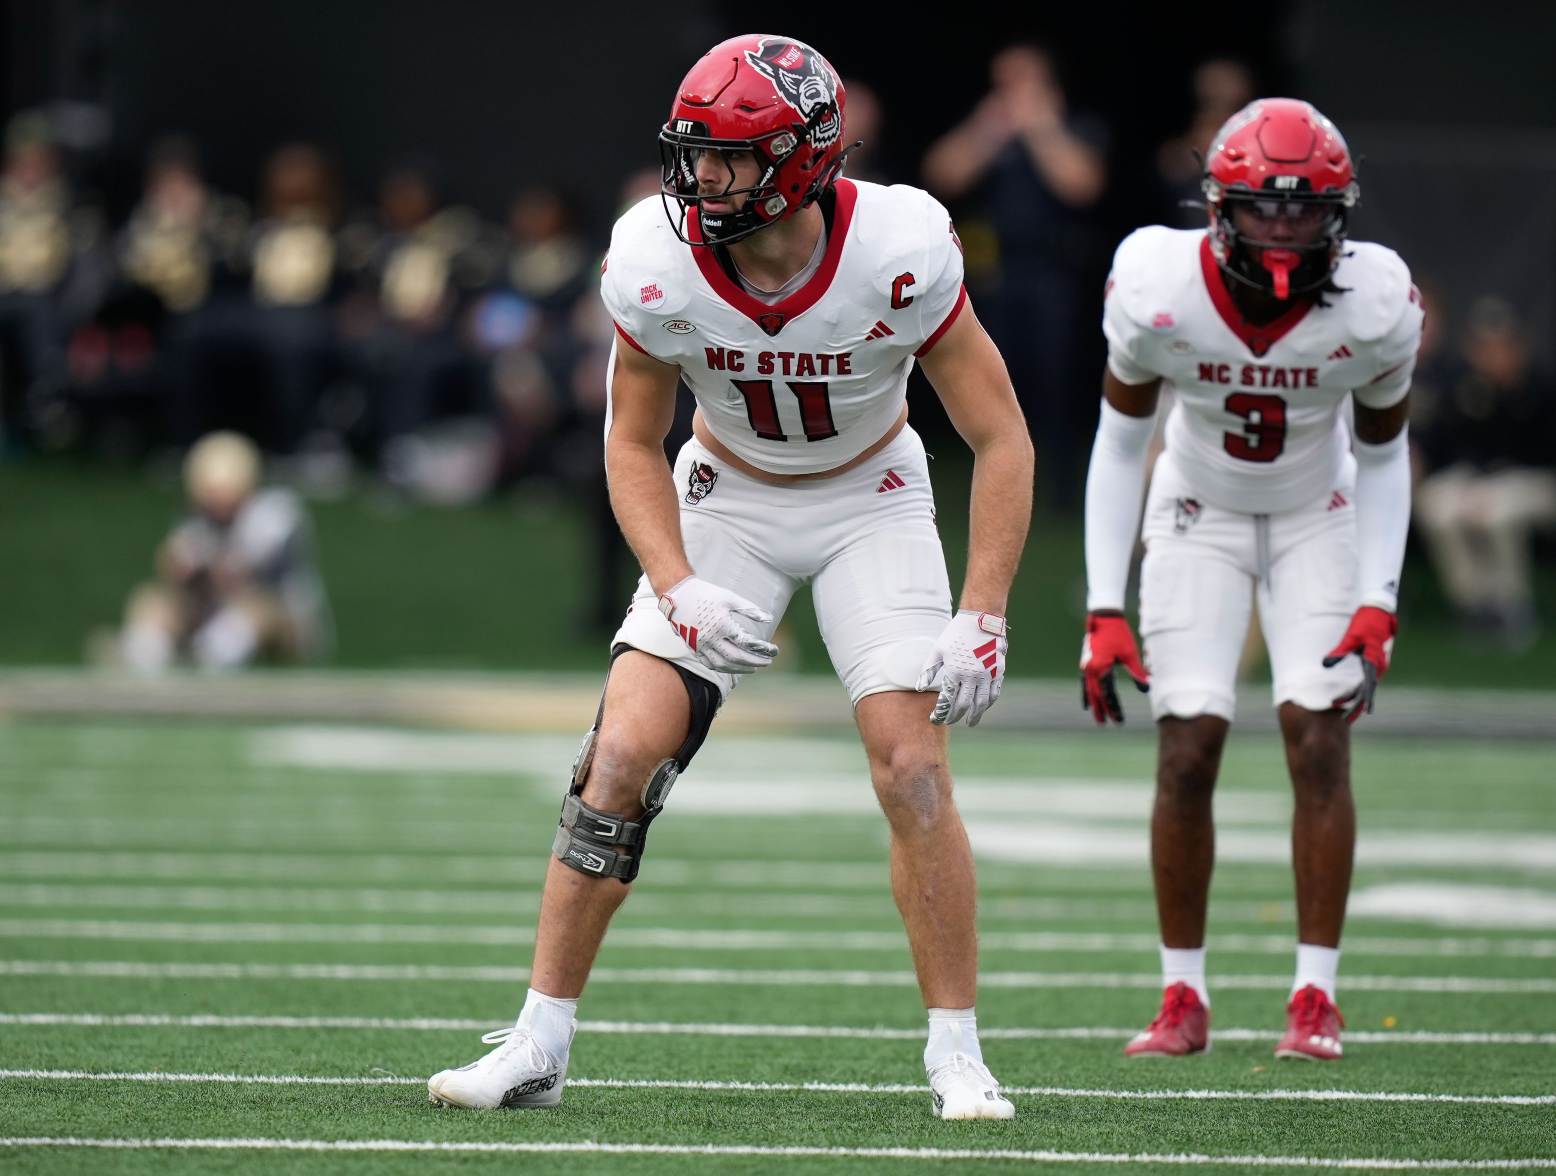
[(969, 660), (710, 621)]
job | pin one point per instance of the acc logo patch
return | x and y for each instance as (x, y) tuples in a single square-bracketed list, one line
[(680, 326)]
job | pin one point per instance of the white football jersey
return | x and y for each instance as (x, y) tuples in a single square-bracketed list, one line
[(1256, 424), (807, 383)]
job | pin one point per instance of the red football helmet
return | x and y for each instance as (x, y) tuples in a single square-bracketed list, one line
[(773, 96), (1280, 157)]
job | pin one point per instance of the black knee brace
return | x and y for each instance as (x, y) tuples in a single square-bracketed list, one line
[(607, 845)]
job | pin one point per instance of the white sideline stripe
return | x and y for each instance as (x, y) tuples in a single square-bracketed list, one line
[(719, 1029), (777, 978), (1385, 1096), (743, 1150), (720, 940)]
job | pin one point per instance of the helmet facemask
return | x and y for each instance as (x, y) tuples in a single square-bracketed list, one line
[(1282, 269), (679, 153), (680, 146)]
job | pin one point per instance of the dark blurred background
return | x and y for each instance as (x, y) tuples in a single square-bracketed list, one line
[(366, 236)]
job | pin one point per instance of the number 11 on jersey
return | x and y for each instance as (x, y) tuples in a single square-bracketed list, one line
[(762, 409)]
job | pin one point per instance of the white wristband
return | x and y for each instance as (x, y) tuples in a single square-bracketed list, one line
[(1113, 485), (1382, 517)]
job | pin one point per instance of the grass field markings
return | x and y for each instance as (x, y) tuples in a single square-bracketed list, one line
[(1050, 842), (730, 940), (489, 868), (719, 1029), (756, 1151), (1193, 1095), (768, 978), (1457, 905), (1043, 842)]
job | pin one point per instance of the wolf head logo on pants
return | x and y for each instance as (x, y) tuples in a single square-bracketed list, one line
[(700, 484)]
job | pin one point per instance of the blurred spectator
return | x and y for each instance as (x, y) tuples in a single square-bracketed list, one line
[(548, 262), (235, 580), (1039, 169), (181, 234), (43, 242), (180, 241), (1222, 87), (1484, 441), (864, 126), (415, 265), (280, 325)]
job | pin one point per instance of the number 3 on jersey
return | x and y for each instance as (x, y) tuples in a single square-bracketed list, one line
[(1264, 436), (762, 409)]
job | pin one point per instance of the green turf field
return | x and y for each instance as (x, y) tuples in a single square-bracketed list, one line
[(274, 934)]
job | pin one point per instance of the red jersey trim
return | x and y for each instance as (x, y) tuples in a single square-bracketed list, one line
[(945, 325), (1258, 337), (620, 330), (802, 299), (1385, 375)]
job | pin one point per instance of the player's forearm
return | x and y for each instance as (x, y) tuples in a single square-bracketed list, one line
[(643, 498), (1001, 512), (1382, 517), (1113, 483)]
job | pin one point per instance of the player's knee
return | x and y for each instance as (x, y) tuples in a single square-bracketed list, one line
[(615, 772), (152, 606), (1317, 753), (1186, 769), (913, 786)]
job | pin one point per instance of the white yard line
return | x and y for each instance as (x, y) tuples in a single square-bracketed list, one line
[(777, 978), (1380, 1096), (754, 1151), (722, 1029), (729, 940)]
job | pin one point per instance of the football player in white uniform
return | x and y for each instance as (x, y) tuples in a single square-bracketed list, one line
[(794, 303), (1261, 328)]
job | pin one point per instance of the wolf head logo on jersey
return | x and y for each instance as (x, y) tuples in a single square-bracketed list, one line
[(700, 484), (805, 81)]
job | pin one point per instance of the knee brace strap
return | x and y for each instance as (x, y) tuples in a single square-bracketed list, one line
[(607, 845)]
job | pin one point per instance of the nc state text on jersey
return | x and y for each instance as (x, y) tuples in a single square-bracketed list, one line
[(781, 363), (1258, 375)]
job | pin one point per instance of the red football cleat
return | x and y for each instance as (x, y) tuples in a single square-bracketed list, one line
[(1181, 1028), (1313, 1026)]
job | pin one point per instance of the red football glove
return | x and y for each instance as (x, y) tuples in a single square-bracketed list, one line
[(1370, 636), (1109, 642)]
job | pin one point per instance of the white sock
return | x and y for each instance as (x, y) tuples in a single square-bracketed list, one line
[(227, 640), (1317, 965), (551, 1020), (951, 1031), (1185, 965)]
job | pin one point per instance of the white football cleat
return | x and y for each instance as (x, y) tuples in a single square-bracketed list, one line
[(962, 1088), (518, 1073)]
